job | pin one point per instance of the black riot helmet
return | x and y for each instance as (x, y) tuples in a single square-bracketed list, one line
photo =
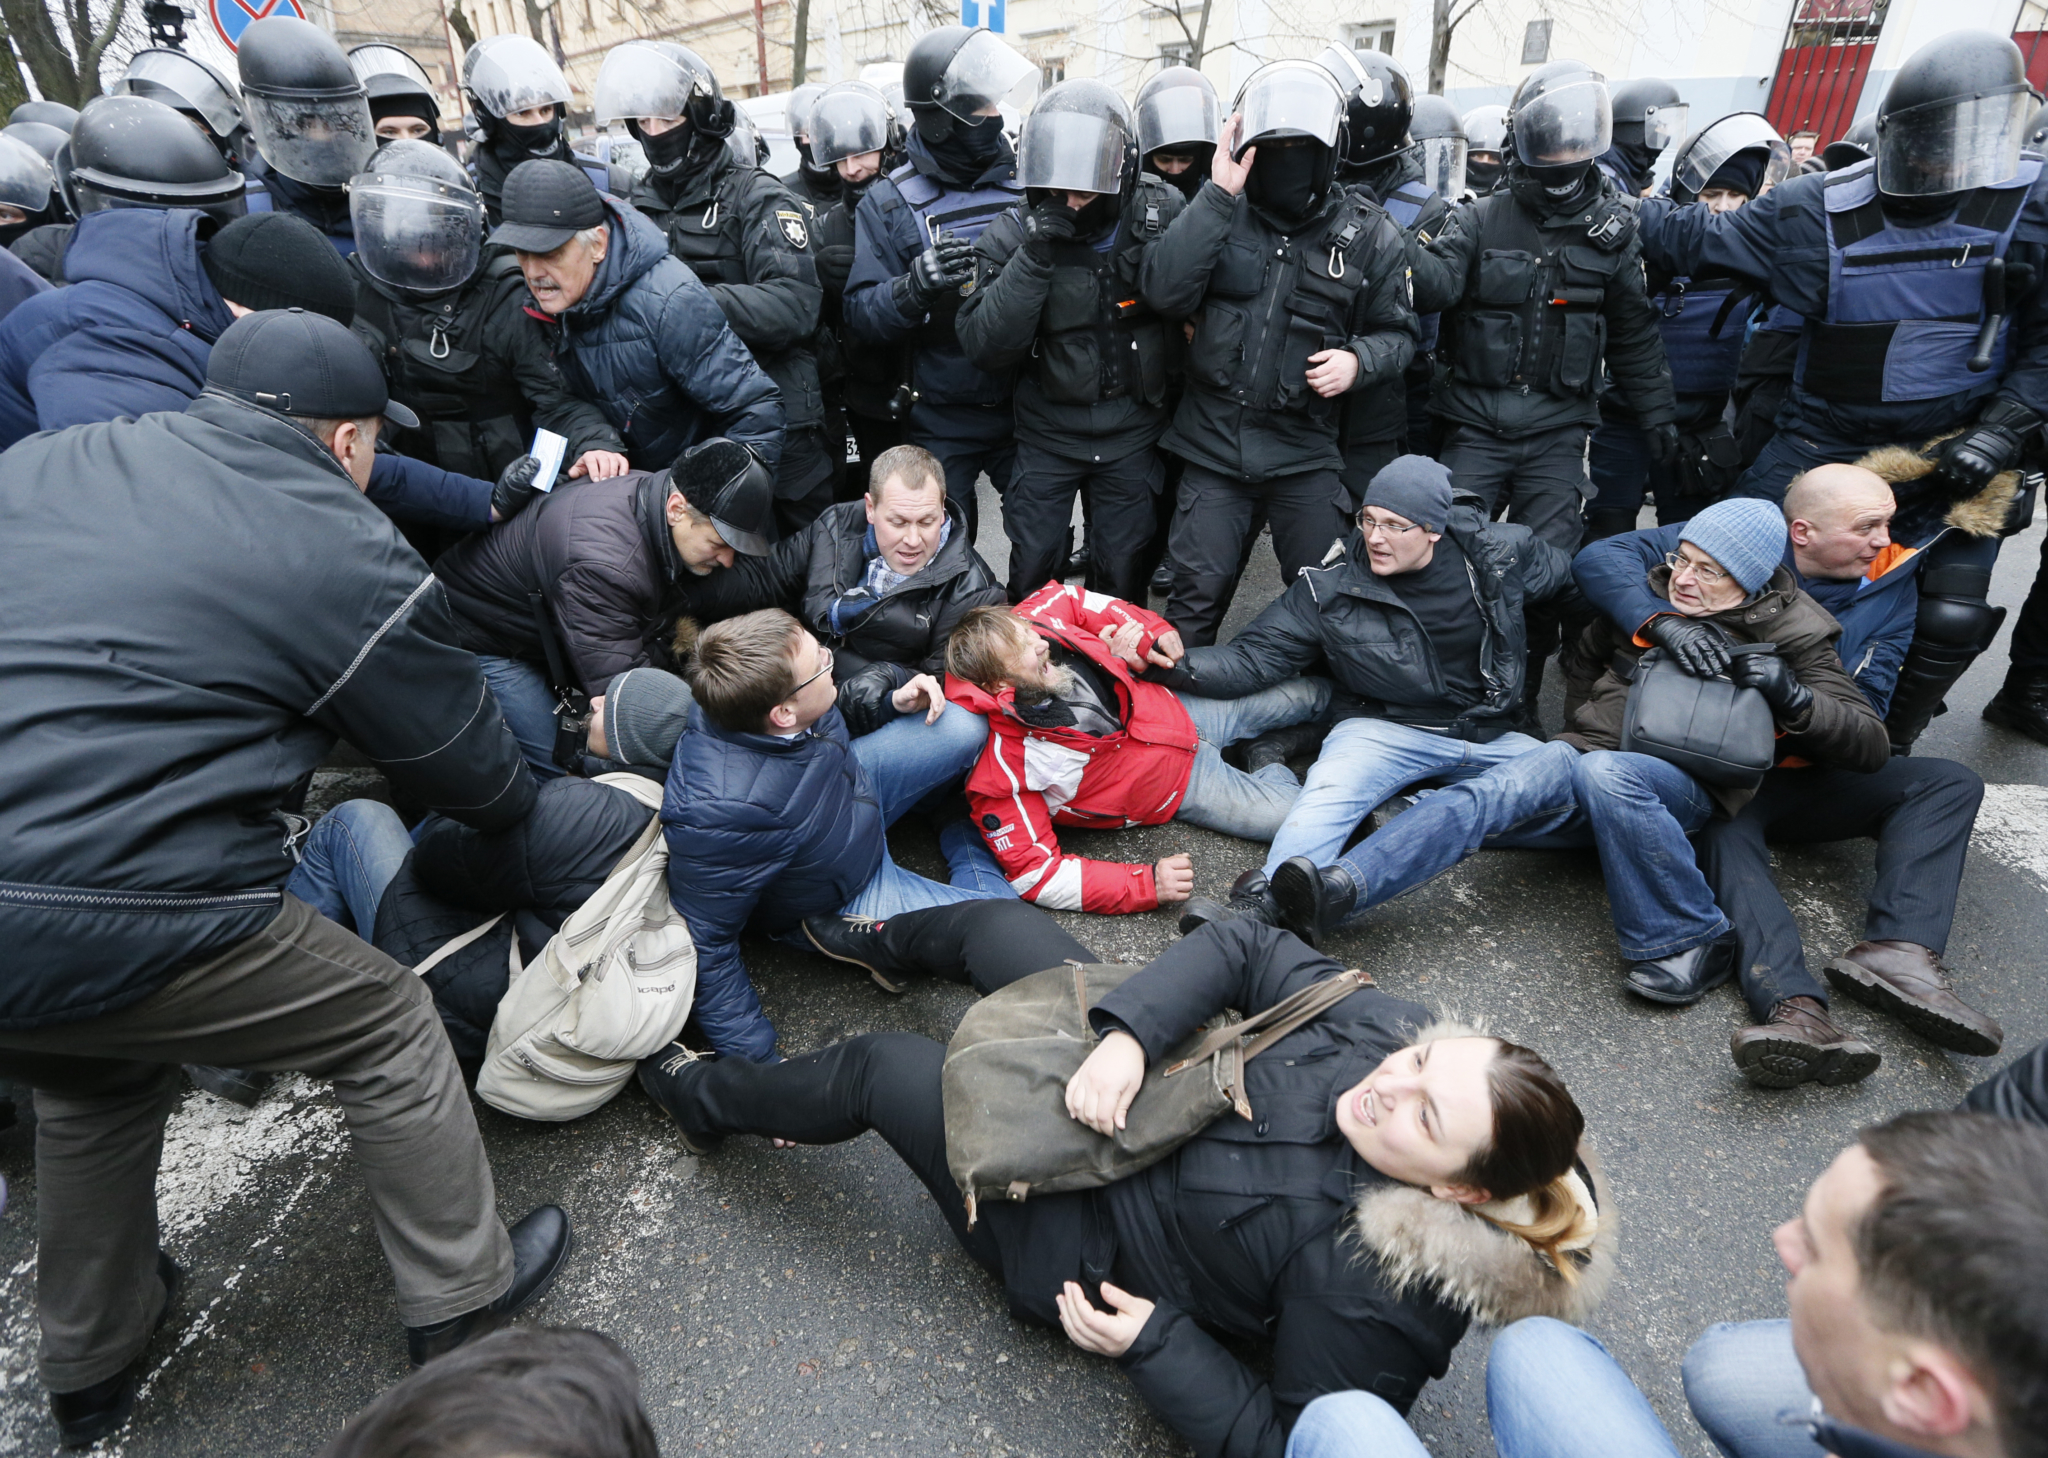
[(503, 74), (307, 111), (186, 84), (1079, 138), (398, 86), (643, 81), (40, 137), (1955, 117), (49, 113), (1859, 144), (26, 181), (849, 119), (1436, 135), (2037, 130), (131, 152), (798, 110), (1378, 102), (1648, 114), (1294, 114), (1559, 120), (1179, 115), (954, 74), (419, 224), (1742, 151)]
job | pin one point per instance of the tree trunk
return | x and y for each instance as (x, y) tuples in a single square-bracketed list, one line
[(800, 45), (1440, 28), (457, 22), (48, 62), (13, 88), (1201, 36)]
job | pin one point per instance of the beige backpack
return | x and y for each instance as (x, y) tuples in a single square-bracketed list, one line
[(612, 986)]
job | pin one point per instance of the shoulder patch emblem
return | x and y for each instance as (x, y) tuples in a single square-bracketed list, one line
[(793, 229)]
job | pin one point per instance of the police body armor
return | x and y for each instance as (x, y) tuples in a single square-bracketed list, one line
[(1097, 340), (472, 416), (1905, 305), (1703, 323), (1269, 308), (1531, 320), (963, 212), (1405, 205)]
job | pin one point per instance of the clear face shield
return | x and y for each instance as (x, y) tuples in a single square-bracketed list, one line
[(415, 232), (1710, 150), (1663, 125), (178, 81), (985, 76), (802, 102), (849, 120), (1289, 99), (1486, 129), (1443, 165), (1067, 149), (319, 140), (509, 73), (1953, 146), (637, 82), (1569, 125), (1169, 117), (26, 181)]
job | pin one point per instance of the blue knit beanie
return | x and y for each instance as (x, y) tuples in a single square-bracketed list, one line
[(1744, 535)]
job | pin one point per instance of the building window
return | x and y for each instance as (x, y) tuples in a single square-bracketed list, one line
[(1372, 35), (1176, 53), (1536, 43), (1052, 70), (589, 22)]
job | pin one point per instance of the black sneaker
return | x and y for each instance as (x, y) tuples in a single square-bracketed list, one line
[(667, 1077), (92, 1413), (856, 940), (540, 1248), (1249, 897)]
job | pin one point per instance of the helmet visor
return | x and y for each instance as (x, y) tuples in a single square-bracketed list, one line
[(510, 73), (1486, 129), (848, 120), (637, 82), (25, 178), (1954, 145), (1073, 151), (984, 76), (801, 103), (1663, 125), (1574, 123), (1706, 153), (1443, 164), (1178, 116), (1289, 99), (378, 59), (1351, 77), (323, 141), (414, 233), (179, 81)]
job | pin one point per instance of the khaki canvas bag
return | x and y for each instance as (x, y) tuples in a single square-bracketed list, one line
[(1008, 1133), (612, 986)]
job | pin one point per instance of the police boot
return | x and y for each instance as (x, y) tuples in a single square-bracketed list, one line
[(1250, 898), (2022, 705), (1947, 637)]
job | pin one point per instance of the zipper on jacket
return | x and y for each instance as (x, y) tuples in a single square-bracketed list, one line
[(83, 898)]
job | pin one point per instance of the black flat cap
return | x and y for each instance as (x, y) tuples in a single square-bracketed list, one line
[(728, 483), (545, 204), (302, 364)]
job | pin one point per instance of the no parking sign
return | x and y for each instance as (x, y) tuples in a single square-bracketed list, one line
[(231, 17)]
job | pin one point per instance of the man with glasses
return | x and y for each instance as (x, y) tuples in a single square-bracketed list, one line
[(1421, 624)]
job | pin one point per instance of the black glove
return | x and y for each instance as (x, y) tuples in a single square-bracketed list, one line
[(1772, 677), (947, 264), (1967, 463), (1701, 649), (515, 488), (1662, 442), (1049, 223), (835, 263)]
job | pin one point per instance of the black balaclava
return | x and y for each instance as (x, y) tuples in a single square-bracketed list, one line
[(1636, 159), (968, 149), (666, 151), (1743, 173), (1482, 177), (516, 144), (1537, 190), (1287, 179), (11, 231), (1091, 222), (1190, 181), (326, 208), (407, 104)]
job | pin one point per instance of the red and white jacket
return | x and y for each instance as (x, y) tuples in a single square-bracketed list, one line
[(1033, 777)]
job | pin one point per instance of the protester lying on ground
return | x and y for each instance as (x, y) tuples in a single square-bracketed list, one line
[(882, 581), (1920, 811), (550, 1393), (140, 833), (1081, 740), (1582, 789), (774, 813), (1452, 1187), (1421, 624), (603, 569)]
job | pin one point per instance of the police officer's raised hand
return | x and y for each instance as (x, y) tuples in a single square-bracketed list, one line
[(599, 466), (1052, 221), (1223, 171), (515, 488), (1662, 443), (1968, 462), (1332, 371)]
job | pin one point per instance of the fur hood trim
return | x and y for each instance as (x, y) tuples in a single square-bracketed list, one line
[(1982, 515)]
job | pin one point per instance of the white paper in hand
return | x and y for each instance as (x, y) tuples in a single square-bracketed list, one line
[(547, 449)]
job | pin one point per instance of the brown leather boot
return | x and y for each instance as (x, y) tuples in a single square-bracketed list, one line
[(1909, 982), (1797, 1044)]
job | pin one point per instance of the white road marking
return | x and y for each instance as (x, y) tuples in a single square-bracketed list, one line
[(2012, 829)]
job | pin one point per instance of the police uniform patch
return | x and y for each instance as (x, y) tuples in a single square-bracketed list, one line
[(793, 229)]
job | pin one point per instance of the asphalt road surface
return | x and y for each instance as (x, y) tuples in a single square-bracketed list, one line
[(811, 1301)]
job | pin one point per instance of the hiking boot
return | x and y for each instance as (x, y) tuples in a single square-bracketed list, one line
[(1909, 982), (540, 1248), (2022, 705), (92, 1413), (1798, 1044), (1683, 978), (1277, 746), (242, 1086), (858, 940), (668, 1077), (1312, 900), (1250, 897)]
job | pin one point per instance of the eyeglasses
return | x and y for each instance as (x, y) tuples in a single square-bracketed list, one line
[(1370, 524), (824, 667), (1704, 573)]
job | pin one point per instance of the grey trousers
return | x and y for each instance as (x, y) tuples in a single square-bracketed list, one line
[(1541, 477), (305, 996)]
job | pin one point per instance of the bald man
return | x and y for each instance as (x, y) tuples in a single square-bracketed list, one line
[(1920, 811)]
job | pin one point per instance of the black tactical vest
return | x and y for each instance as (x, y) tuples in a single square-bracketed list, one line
[(1097, 340)]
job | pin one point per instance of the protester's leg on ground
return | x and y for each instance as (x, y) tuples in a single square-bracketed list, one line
[(1743, 1382), (988, 944), (1307, 512), (1211, 524), (1224, 722), (527, 704), (1770, 961), (1641, 810), (1619, 463), (970, 865), (891, 891), (1038, 516), (1121, 511), (1552, 1391), (1352, 1425), (1226, 799), (347, 860), (906, 759)]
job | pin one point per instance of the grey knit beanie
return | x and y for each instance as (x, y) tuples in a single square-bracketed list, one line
[(1744, 535), (645, 711)]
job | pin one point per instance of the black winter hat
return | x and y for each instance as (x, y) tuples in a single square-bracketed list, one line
[(645, 713), (545, 203), (277, 261), (727, 482), (302, 364)]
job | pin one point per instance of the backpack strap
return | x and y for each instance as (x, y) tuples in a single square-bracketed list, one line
[(1276, 1022), (449, 948)]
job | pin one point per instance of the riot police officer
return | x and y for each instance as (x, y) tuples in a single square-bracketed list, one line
[(815, 184), (1703, 320), (447, 324), (1436, 136), (48, 113), (914, 235), (1486, 140), (188, 85), (28, 190), (1179, 118), (403, 106), (518, 101), (1648, 117), (742, 233), (1056, 299), (1908, 271), (310, 120), (1299, 289), (1856, 145)]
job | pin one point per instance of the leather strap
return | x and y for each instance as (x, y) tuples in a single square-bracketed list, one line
[(1277, 1021)]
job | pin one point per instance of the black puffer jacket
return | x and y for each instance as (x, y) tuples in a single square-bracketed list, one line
[(2017, 1091), (1377, 652), (883, 648)]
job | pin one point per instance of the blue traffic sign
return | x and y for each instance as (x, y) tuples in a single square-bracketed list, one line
[(972, 12), (231, 17)]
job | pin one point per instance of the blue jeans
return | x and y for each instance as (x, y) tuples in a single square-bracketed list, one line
[(1352, 1425), (1362, 763), (348, 859), (1747, 1389), (528, 706), (1223, 798), (1636, 810), (906, 760)]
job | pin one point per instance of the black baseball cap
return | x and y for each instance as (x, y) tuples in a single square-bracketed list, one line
[(728, 483), (545, 203), (302, 364)]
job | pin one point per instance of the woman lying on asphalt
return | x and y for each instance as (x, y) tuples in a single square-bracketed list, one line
[(1401, 1178)]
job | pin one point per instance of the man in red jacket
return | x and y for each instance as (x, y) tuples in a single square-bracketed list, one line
[(1078, 739)]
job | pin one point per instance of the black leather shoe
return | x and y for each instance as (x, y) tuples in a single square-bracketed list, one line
[(1250, 897), (242, 1086), (540, 1247), (1161, 584), (92, 1413), (667, 1078), (1312, 900), (1077, 561), (1685, 977), (858, 940)]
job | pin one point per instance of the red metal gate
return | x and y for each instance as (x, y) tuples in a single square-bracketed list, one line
[(1828, 46), (2030, 34)]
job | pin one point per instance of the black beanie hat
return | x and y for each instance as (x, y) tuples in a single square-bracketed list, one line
[(277, 261)]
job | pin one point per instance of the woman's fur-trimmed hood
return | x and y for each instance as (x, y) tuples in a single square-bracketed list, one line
[(1982, 515), (1492, 1276)]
